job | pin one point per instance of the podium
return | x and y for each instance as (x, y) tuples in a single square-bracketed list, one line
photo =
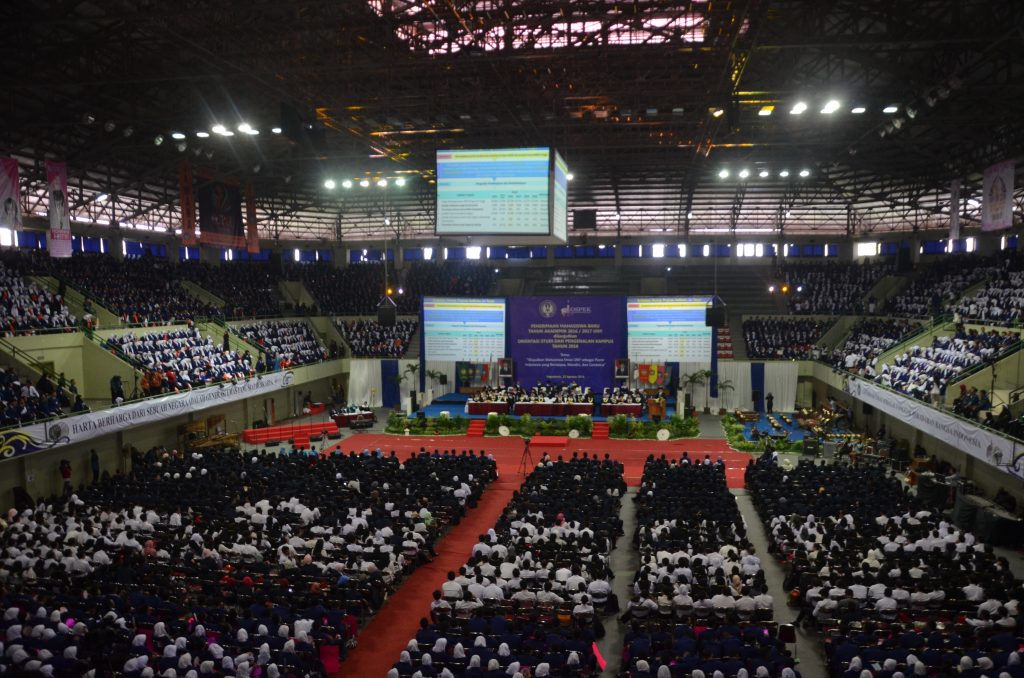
[(656, 408)]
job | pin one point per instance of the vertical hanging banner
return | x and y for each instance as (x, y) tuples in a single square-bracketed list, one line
[(186, 189), (954, 210), (10, 194), (60, 211), (997, 196), (220, 213), (252, 237)]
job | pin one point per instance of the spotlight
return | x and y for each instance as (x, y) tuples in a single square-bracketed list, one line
[(400, 181), (177, 135), (857, 110), (128, 131), (744, 173), (799, 288), (390, 291), (766, 111), (911, 112), (891, 108), (219, 129), (158, 139), (723, 174), (383, 183), (252, 131), (109, 126), (785, 289), (831, 106), (275, 130), (401, 291), (718, 112), (244, 127), (763, 174), (805, 173), (88, 118), (569, 176), (668, 269), (771, 289), (496, 270), (182, 146), (365, 183), (347, 183), (203, 135), (784, 173), (387, 221), (689, 215), (329, 184), (798, 108), (102, 197)]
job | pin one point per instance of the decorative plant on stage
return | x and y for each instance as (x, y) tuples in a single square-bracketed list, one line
[(724, 386), (433, 375), (696, 378)]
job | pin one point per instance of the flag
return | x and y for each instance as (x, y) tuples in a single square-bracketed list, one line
[(997, 196), (954, 211), (187, 194), (10, 194), (252, 237), (60, 211)]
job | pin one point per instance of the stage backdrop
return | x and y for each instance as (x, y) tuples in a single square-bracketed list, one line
[(567, 339)]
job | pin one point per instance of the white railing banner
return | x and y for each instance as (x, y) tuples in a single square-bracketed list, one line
[(976, 441), (59, 432)]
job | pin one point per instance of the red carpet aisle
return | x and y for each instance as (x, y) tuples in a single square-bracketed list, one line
[(508, 451)]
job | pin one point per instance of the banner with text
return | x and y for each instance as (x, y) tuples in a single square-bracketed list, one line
[(220, 214), (60, 210), (567, 339), (965, 436), (10, 194), (60, 432), (997, 196)]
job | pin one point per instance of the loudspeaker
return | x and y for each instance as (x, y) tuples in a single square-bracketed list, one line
[(687, 405), (443, 380), (903, 262), (412, 399), (387, 315), (584, 220), (867, 409), (715, 316)]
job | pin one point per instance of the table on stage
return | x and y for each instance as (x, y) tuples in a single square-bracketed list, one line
[(628, 409), (553, 409), (476, 407), (359, 418)]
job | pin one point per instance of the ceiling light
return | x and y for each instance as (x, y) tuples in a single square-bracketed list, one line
[(128, 131), (570, 176), (383, 183), (831, 106), (400, 181), (252, 131), (177, 135), (158, 139), (202, 135), (723, 174), (689, 215), (275, 130), (88, 118), (744, 173), (805, 173), (347, 183), (364, 183), (766, 111), (718, 113), (763, 174), (182, 146), (102, 197), (244, 128), (219, 129), (784, 173), (110, 125), (857, 110), (891, 108), (798, 108), (911, 112), (329, 184)]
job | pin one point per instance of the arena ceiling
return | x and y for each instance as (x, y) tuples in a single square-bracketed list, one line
[(649, 101)]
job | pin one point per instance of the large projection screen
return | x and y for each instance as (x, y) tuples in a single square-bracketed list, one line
[(468, 330), (668, 329), (504, 191)]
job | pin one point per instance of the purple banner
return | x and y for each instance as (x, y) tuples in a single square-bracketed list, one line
[(567, 339)]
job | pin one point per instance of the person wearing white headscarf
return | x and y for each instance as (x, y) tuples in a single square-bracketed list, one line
[(504, 651), (697, 673), (664, 672), (787, 673), (512, 669), (273, 672), (440, 646), (493, 665), (643, 666), (445, 673), (543, 670), (393, 673)]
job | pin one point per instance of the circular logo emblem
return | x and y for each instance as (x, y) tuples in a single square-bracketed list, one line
[(548, 308), (57, 431)]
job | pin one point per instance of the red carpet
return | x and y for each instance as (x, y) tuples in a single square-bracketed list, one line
[(385, 637)]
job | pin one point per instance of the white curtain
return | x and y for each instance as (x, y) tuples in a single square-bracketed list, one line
[(446, 367), (780, 378), (700, 393), (364, 384), (738, 373)]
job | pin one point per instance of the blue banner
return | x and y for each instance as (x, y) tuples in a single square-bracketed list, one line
[(567, 339)]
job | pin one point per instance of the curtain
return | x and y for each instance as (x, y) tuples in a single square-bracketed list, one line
[(737, 372), (780, 379), (446, 367), (364, 382)]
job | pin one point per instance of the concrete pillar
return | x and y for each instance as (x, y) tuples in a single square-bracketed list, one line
[(618, 255), (339, 256), (988, 245), (115, 245), (915, 249), (846, 250)]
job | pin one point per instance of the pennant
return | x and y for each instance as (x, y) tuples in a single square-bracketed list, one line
[(186, 190), (997, 196), (252, 237), (10, 194), (954, 211), (60, 211)]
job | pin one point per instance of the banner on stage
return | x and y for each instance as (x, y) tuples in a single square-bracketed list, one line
[(997, 196), (653, 374), (10, 194), (49, 435), (60, 210)]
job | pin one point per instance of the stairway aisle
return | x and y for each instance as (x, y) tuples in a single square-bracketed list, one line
[(624, 562), (809, 649)]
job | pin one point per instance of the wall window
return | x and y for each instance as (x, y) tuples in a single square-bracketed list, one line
[(473, 252), (657, 251), (681, 250), (867, 249), (428, 253), (749, 249)]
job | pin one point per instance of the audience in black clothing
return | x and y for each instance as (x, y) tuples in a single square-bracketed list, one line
[(248, 288), (832, 288), (370, 339), (783, 338)]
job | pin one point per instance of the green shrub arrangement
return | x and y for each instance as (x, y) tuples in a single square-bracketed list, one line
[(619, 426), (398, 422), (734, 434)]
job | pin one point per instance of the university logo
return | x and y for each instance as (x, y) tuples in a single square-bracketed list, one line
[(548, 308)]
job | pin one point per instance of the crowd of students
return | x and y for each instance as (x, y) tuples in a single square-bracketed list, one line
[(370, 339), (939, 284), (887, 578), (23, 402), (248, 288), (832, 288), (25, 307), (545, 559), (285, 342), (869, 338), (218, 564), (783, 338)]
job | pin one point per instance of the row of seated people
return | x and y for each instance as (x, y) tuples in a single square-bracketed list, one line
[(888, 580), (248, 288), (25, 307), (940, 285), (700, 600), (358, 289), (868, 339), (831, 288), (782, 338), (370, 339), (544, 392), (528, 596), (22, 402), (923, 372), (200, 558), (179, 359), (286, 342), (972, 402), (621, 394), (139, 290), (1001, 301)]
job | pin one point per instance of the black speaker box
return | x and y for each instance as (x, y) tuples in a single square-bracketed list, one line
[(715, 316), (387, 315), (584, 220), (443, 380)]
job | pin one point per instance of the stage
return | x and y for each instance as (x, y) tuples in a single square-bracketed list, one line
[(455, 405), (795, 433)]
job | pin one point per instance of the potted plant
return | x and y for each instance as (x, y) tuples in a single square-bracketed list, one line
[(696, 378), (724, 386)]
